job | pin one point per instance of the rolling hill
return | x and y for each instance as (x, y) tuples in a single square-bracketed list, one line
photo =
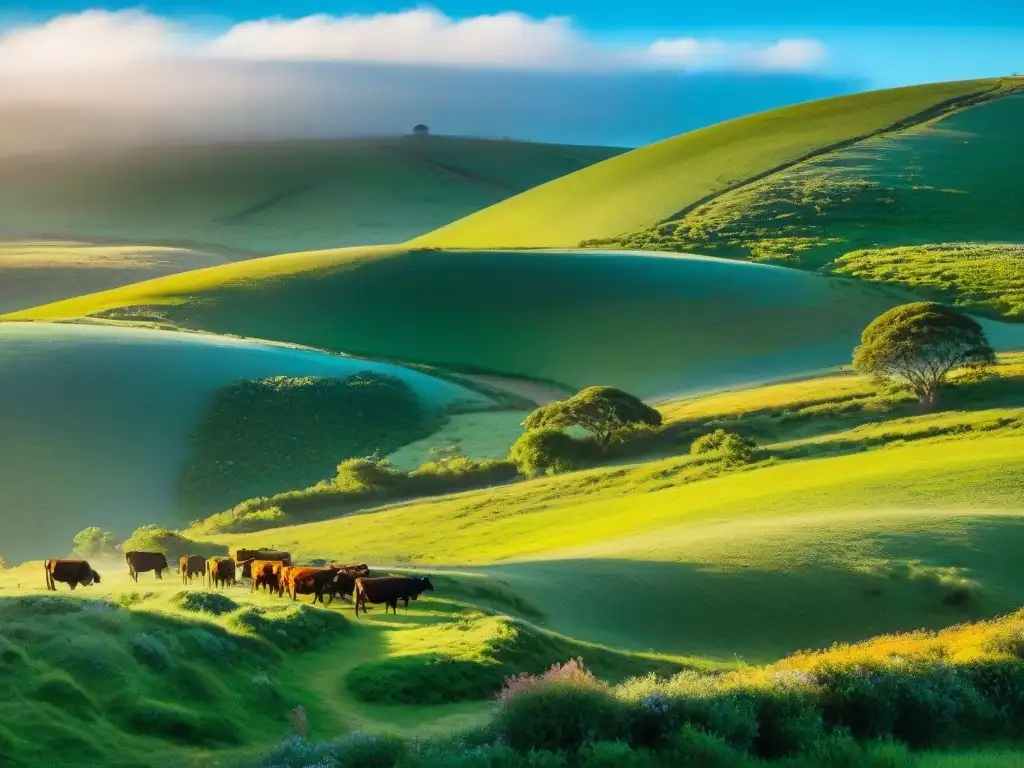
[(99, 423), (653, 324), (259, 198), (653, 184), (34, 273)]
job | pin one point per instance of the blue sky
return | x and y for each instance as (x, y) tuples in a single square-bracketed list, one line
[(624, 72)]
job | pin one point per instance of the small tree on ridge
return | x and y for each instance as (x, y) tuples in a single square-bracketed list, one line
[(919, 344), (602, 411)]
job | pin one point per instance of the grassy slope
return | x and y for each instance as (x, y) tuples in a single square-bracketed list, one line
[(653, 183), (78, 403), (673, 559), (655, 325), (947, 180), (261, 198), (34, 273), (80, 698)]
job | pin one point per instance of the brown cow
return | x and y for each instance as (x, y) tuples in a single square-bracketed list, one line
[(359, 571), (266, 573), (307, 580), (191, 565), (71, 572), (244, 558), (140, 562), (221, 571), (343, 584), (389, 590)]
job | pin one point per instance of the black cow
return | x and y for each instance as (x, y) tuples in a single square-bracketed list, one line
[(141, 562), (221, 571), (389, 590), (71, 572)]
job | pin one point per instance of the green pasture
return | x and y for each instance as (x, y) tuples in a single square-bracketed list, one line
[(257, 198), (34, 273), (988, 279), (673, 553), (124, 674), (655, 325), (652, 184), (98, 421), (933, 208)]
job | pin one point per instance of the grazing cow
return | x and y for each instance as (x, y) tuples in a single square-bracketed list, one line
[(71, 572), (306, 580), (140, 562), (244, 558), (221, 571), (343, 584), (191, 565), (359, 571), (389, 590), (266, 573)]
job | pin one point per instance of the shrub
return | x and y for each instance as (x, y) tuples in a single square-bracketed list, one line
[(560, 709), (205, 602), (788, 722), (613, 754), (426, 679), (733, 448), (694, 748), (93, 542), (547, 451), (175, 723)]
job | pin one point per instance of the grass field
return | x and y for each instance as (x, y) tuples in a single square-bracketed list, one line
[(649, 185), (949, 180), (263, 198), (34, 273), (988, 279), (673, 556), (79, 403), (655, 325)]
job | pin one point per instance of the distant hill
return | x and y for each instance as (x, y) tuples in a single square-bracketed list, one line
[(259, 198)]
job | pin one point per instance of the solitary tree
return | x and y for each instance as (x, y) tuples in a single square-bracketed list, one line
[(919, 344), (420, 130), (602, 411)]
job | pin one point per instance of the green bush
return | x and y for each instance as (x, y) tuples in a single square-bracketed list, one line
[(733, 448), (548, 452), (559, 716), (175, 723), (788, 722), (150, 650), (204, 602), (694, 748), (93, 542)]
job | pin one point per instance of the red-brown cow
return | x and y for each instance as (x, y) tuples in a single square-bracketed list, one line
[(266, 574), (191, 565), (245, 557), (71, 572), (389, 590)]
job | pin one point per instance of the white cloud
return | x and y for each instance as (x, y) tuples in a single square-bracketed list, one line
[(422, 36), (690, 53), (91, 39)]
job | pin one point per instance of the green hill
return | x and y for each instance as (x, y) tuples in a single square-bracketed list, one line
[(99, 425), (258, 198), (34, 273), (652, 324), (653, 184)]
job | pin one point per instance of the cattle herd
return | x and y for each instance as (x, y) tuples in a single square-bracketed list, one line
[(268, 570)]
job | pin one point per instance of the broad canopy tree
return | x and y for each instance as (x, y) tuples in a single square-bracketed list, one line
[(919, 344), (602, 411)]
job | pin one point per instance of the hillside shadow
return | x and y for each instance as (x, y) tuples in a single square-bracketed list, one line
[(757, 614)]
